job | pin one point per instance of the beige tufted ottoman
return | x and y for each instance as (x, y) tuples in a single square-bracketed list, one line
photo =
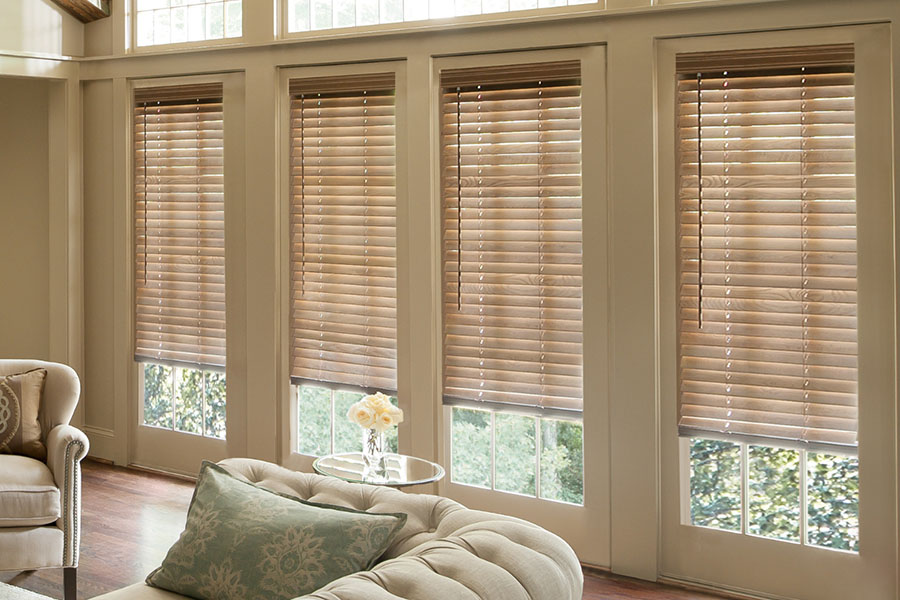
[(444, 551)]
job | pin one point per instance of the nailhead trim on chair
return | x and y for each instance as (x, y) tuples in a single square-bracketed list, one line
[(68, 491)]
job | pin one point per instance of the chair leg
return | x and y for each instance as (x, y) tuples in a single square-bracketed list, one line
[(70, 575)]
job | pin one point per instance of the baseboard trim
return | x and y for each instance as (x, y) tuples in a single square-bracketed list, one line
[(164, 472), (733, 593)]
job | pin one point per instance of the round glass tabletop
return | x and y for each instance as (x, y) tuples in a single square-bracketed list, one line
[(402, 470)]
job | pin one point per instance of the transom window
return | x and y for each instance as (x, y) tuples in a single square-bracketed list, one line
[(159, 22), (308, 15)]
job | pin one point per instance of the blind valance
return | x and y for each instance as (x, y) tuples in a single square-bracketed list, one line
[(511, 188), (343, 231), (179, 225), (768, 342)]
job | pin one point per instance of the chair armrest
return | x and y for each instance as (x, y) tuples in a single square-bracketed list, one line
[(66, 447)]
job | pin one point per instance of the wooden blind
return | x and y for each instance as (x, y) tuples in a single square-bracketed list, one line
[(512, 292), (768, 339), (343, 232), (179, 225)]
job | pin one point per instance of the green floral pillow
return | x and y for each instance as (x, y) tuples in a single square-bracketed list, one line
[(244, 542)]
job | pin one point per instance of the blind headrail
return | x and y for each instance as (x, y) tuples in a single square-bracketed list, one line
[(763, 59)]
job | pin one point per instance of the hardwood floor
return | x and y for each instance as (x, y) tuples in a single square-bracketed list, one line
[(130, 518)]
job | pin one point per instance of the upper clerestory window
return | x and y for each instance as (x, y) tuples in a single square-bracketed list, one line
[(159, 22), (312, 15)]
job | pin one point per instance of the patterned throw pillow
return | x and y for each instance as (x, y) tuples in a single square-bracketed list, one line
[(244, 542), (20, 406)]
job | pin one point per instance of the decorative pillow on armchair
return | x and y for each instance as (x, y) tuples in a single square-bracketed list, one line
[(20, 405), (244, 542)]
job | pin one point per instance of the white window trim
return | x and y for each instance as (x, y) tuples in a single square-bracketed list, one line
[(167, 449)]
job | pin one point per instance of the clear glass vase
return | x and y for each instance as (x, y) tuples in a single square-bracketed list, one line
[(374, 452)]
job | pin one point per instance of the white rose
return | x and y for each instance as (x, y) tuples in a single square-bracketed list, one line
[(377, 402), (397, 414), (384, 422), (362, 415)]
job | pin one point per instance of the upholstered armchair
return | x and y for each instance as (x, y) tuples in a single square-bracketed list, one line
[(40, 502)]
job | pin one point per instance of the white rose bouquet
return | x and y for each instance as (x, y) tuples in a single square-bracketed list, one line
[(375, 412), (376, 415)]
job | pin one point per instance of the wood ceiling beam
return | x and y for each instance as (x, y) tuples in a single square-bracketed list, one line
[(85, 10)]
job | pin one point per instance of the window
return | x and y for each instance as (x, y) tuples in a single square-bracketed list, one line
[(179, 275), (160, 22), (768, 342), (343, 252), (307, 15), (512, 306)]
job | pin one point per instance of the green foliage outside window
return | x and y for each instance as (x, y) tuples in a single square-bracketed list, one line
[(833, 501), (516, 449), (189, 401), (774, 480), (471, 447), (716, 484), (215, 405), (198, 405), (774, 499), (515, 454), (562, 460), (158, 395)]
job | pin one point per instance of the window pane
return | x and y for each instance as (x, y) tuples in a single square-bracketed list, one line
[(470, 461), (344, 13), (189, 401), (215, 405), (215, 21), (515, 453), (716, 484), (321, 14), (298, 15), (774, 494), (562, 461), (161, 27), (196, 23), (179, 25), (833, 501), (347, 435), (314, 420), (233, 18), (158, 395)]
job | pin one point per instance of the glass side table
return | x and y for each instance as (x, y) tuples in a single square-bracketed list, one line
[(402, 470)]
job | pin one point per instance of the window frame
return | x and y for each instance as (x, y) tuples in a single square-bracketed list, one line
[(581, 525), (709, 556), (131, 19), (173, 450), (291, 457)]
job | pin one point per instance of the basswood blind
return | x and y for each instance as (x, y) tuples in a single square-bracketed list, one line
[(768, 338), (179, 225), (343, 238), (511, 140)]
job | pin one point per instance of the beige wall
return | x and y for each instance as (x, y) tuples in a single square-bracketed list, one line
[(39, 26), (24, 218)]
